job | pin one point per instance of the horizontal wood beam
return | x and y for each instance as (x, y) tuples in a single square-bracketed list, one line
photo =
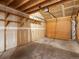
[(32, 3), (10, 21), (45, 4), (22, 3), (9, 2), (13, 11)]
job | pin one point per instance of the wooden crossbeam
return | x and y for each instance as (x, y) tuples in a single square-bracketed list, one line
[(13, 11), (9, 2), (31, 4), (45, 4), (22, 3)]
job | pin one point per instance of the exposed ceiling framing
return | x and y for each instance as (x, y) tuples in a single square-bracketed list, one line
[(57, 7), (28, 6)]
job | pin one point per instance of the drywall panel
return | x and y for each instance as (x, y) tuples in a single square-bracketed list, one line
[(1, 36), (51, 28), (78, 28), (13, 17), (11, 35), (63, 28), (2, 15)]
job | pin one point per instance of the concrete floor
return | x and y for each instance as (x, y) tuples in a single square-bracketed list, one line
[(39, 50), (72, 46)]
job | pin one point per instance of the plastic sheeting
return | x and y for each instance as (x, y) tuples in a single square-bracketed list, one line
[(60, 29)]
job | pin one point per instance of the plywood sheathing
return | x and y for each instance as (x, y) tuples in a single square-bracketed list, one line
[(60, 29), (63, 29)]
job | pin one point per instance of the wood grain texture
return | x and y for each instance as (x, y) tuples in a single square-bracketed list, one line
[(78, 28), (60, 29)]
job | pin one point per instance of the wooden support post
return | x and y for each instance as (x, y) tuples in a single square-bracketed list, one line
[(5, 33), (6, 23), (63, 10)]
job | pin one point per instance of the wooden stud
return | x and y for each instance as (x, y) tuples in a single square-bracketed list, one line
[(63, 11), (5, 33)]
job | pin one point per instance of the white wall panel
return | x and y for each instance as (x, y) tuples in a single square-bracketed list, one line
[(1, 36), (11, 35), (37, 31)]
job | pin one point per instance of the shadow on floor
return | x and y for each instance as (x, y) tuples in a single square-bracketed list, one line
[(39, 51)]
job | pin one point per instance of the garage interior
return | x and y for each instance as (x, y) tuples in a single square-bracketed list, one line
[(39, 29)]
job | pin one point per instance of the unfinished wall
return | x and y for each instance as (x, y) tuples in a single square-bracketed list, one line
[(1, 36), (63, 29), (60, 29), (51, 28), (78, 28), (2, 17), (37, 31), (23, 32), (13, 31)]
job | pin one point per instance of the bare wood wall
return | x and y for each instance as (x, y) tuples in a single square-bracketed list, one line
[(78, 28), (59, 28), (23, 33), (10, 36), (37, 31)]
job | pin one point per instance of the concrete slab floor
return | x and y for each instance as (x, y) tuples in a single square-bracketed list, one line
[(72, 46), (38, 51)]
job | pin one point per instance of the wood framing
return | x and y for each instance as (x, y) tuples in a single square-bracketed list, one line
[(9, 2), (12, 11), (31, 4), (22, 3)]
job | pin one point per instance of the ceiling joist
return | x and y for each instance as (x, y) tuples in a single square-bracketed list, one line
[(45, 4), (9, 2), (22, 3), (31, 4)]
